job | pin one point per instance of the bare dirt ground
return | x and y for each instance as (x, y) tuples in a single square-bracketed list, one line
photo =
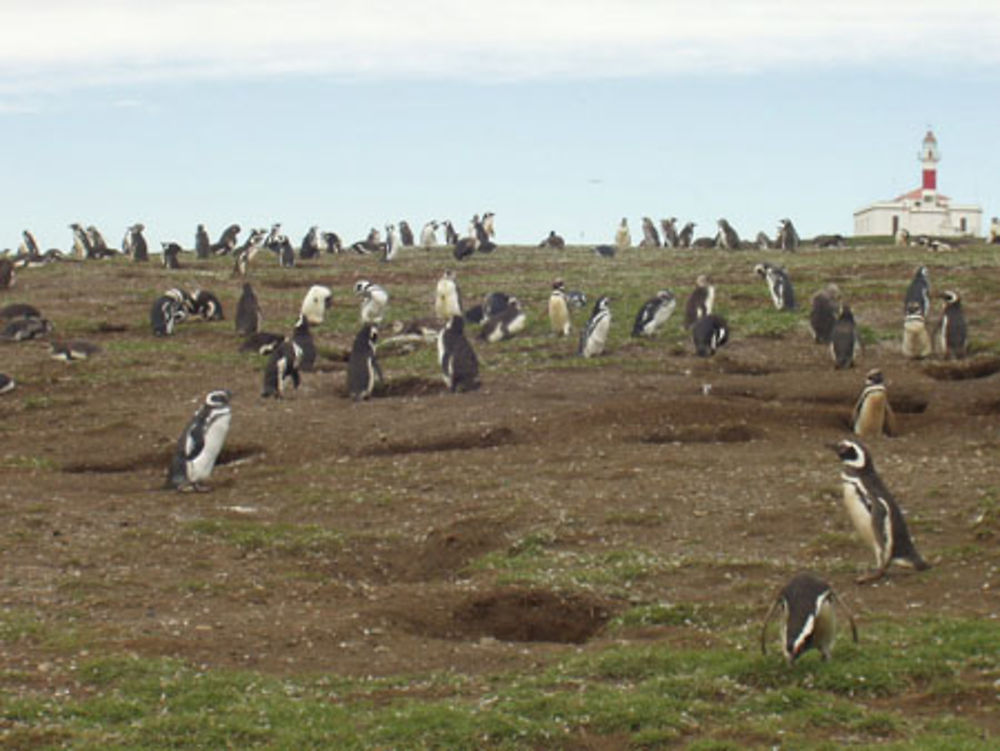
[(343, 537)]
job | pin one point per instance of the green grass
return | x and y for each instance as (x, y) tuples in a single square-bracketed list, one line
[(272, 538)]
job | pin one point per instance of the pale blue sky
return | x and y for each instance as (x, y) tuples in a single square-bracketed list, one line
[(562, 116)]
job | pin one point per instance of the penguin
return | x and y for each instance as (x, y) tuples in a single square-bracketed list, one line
[(708, 334), (727, 238), (450, 235), (282, 365), (310, 244), (202, 245), (951, 333), (457, 359), (428, 235), (554, 241), (686, 235), (447, 297), (165, 314), (424, 330), (873, 414), (788, 238), (29, 247), (374, 300), (576, 298), (654, 313), (844, 340), (7, 383), (207, 305), (623, 238), (919, 291), (824, 313), (73, 350), (23, 329), (286, 253), (916, 341), (605, 251), (650, 237), (503, 325), (99, 247), (489, 223), (874, 512), (332, 243), (810, 621), (227, 240), (275, 239), (19, 310), (184, 300), (763, 241), (170, 253), (82, 246), (464, 248), (405, 234), (201, 442), (559, 318), (137, 243), (317, 301), (594, 336), (261, 342), (248, 312), (700, 302), (362, 367), (778, 284), (392, 242), (302, 337), (669, 229), (7, 274)]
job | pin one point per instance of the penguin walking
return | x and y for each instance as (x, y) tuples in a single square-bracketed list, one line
[(654, 313), (199, 445), (7, 383), (873, 414), (824, 314), (778, 285), (916, 341), (594, 336), (874, 512), (456, 357), (919, 291), (700, 302), (559, 318), (708, 334), (844, 340), (282, 366), (362, 367), (165, 314), (248, 312), (503, 325), (447, 296), (951, 331), (810, 621)]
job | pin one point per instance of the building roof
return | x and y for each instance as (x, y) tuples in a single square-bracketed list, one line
[(917, 194)]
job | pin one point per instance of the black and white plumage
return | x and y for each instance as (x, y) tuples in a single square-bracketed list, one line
[(202, 245), (916, 341), (23, 329), (844, 343), (459, 365), (554, 241), (82, 246), (505, 324), (605, 251), (623, 238), (201, 442), (727, 237), (558, 308), (650, 236), (311, 244), (405, 234), (184, 299), (669, 228), (708, 334), (316, 303), (19, 310), (686, 236), (332, 243), (654, 313), (594, 337), (447, 296), (282, 366), (778, 285), (248, 313), (824, 314), (952, 334), (165, 314), (810, 621), (286, 253), (245, 253), (7, 274), (29, 247), (788, 238), (171, 255), (450, 235), (207, 305), (262, 342), (428, 235), (303, 338), (98, 244), (226, 243), (919, 291), (138, 248), (393, 242), (72, 350), (7, 384), (873, 414), (700, 302), (763, 241), (363, 371), (493, 304), (874, 511), (374, 300)]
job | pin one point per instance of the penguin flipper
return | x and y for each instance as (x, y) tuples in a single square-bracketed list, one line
[(889, 425)]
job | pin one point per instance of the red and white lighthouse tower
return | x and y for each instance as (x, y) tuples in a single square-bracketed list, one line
[(929, 156)]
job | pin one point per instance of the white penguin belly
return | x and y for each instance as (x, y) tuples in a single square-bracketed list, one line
[(859, 515), (200, 467)]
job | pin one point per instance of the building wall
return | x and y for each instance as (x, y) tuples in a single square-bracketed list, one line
[(941, 221)]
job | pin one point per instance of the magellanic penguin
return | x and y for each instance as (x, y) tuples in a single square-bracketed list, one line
[(951, 332), (650, 237), (165, 314), (916, 341), (23, 329), (788, 238), (362, 368), (844, 340), (19, 310), (6, 383), (594, 336), (778, 285), (405, 234), (170, 255), (137, 243), (503, 325), (873, 414), (457, 359), (207, 306), (654, 313), (708, 334), (623, 238), (727, 237), (874, 512), (374, 300), (7, 274), (559, 318), (393, 242), (447, 297), (316, 303), (282, 365), (303, 338), (700, 302), (810, 621), (202, 245), (824, 313), (199, 445), (919, 292), (73, 350), (428, 235), (248, 312)]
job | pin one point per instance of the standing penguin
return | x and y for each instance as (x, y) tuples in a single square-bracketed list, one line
[(778, 284), (708, 334), (824, 313), (202, 245), (951, 332), (405, 234), (362, 367), (916, 340), (872, 413), (199, 445), (700, 302), (317, 301), (171, 253), (874, 512), (447, 297), (282, 365), (559, 317), (503, 325), (810, 621), (623, 238), (428, 235), (165, 314), (374, 300), (393, 242), (650, 237), (456, 357), (594, 336), (919, 291), (303, 337), (248, 312), (654, 313), (7, 274), (137, 243), (844, 340)]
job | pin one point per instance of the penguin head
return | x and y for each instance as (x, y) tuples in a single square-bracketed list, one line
[(665, 294), (761, 269), (448, 274), (914, 310), (317, 301), (361, 286), (701, 280), (218, 398), (874, 377), (603, 303), (950, 297), (922, 273), (846, 314), (559, 284), (853, 454)]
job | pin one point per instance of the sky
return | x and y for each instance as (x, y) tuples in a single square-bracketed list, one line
[(562, 115)]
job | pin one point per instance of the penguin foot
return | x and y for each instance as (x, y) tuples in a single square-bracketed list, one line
[(871, 576), (199, 488)]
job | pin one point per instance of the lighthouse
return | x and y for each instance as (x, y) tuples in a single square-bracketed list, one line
[(921, 211)]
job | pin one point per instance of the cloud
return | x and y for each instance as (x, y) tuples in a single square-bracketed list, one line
[(56, 44)]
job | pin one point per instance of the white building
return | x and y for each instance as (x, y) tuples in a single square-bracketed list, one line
[(922, 211)]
